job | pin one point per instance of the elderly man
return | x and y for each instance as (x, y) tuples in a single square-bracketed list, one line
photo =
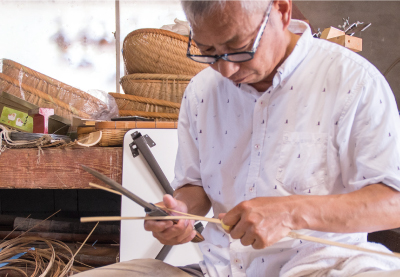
[(282, 132)]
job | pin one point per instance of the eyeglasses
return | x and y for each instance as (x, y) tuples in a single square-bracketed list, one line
[(237, 57)]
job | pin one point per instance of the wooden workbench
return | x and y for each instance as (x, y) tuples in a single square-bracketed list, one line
[(58, 168)]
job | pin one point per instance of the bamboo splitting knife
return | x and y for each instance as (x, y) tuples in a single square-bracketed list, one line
[(149, 208)]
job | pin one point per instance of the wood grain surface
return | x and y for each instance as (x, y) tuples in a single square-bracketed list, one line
[(58, 168)]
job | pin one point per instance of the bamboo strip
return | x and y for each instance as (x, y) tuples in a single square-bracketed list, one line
[(104, 188), (293, 235)]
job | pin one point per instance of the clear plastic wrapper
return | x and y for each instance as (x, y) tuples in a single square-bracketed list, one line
[(180, 27)]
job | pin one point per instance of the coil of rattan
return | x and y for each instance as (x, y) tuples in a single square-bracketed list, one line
[(158, 51), (37, 97), (74, 97), (167, 87), (138, 103)]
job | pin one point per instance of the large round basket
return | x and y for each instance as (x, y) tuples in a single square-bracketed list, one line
[(71, 96), (158, 86), (38, 98), (158, 51)]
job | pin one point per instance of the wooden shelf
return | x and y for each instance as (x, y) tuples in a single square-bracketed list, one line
[(58, 168)]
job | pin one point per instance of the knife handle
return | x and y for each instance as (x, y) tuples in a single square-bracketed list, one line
[(198, 238)]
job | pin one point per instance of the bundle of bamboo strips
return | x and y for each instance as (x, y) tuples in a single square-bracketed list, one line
[(38, 254)]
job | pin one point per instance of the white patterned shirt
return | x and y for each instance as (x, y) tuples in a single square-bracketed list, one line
[(329, 124)]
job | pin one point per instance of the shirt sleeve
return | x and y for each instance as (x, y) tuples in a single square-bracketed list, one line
[(370, 141), (187, 165)]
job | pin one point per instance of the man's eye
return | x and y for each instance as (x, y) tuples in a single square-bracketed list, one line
[(241, 48), (207, 51)]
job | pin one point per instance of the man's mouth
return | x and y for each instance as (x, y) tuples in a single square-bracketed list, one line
[(239, 80)]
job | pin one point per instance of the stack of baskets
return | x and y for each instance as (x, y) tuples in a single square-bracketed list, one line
[(46, 92), (157, 73)]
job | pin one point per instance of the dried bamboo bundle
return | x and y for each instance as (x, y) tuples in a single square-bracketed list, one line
[(42, 261)]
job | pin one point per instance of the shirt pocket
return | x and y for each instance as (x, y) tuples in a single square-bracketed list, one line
[(302, 165)]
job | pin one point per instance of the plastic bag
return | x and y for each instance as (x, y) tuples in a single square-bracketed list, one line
[(180, 27)]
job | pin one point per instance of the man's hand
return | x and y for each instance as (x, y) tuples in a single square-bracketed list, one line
[(166, 231), (260, 222)]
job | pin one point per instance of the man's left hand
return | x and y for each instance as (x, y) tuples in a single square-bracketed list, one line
[(260, 222)]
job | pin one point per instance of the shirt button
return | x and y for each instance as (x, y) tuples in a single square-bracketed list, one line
[(251, 189), (280, 169), (256, 146), (237, 261)]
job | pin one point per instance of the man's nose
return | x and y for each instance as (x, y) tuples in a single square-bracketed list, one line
[(227, 69)]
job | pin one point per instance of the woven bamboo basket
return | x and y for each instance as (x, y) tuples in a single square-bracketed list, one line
[(137, 103), (157, 86), (158, 51), (74, 97), (38, 98)]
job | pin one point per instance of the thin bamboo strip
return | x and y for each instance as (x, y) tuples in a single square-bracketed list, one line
[(104, 188), (146, 100), (293, 235), (149, 114)]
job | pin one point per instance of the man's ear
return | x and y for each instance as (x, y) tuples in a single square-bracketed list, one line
[(284, 8)]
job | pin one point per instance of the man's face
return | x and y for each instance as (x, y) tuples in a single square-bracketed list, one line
[(232, 30)]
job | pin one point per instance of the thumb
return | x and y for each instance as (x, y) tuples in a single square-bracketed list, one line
[(230, 218), (169, 202)]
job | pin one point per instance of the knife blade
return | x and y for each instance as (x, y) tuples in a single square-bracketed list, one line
[(149, 208)]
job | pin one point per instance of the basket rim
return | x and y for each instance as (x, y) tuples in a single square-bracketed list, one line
[(145, 100), (150, 76), (159, 32)]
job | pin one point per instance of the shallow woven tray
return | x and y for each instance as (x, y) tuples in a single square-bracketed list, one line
[(114, 132), (157, 86), (38, 98), (158, 51), (74, 97), (138, 103)]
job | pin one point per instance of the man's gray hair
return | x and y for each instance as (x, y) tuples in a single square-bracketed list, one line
[(196, 10)]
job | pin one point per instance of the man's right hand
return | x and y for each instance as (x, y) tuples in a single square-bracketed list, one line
[(166, 231)]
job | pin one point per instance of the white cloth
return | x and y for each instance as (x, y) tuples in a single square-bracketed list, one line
[(329, 124), (319, 261)]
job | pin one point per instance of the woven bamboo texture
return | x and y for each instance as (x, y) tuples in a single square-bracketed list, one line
[(157, 86), (158, 51), (138, 103), (38, 98), (74, 97)]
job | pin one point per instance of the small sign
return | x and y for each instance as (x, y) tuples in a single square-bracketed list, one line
[(16, 119)]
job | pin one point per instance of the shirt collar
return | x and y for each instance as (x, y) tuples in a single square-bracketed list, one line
[(299, 52)]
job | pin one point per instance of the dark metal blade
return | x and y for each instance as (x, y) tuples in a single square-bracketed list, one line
[(148, 206)]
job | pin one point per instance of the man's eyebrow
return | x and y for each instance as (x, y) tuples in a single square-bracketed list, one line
[(234, 39)]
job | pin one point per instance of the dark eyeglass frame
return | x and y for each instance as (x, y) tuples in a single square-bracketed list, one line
[(227, 56)]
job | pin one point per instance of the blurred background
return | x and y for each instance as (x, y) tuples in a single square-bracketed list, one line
[(73, 41)]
